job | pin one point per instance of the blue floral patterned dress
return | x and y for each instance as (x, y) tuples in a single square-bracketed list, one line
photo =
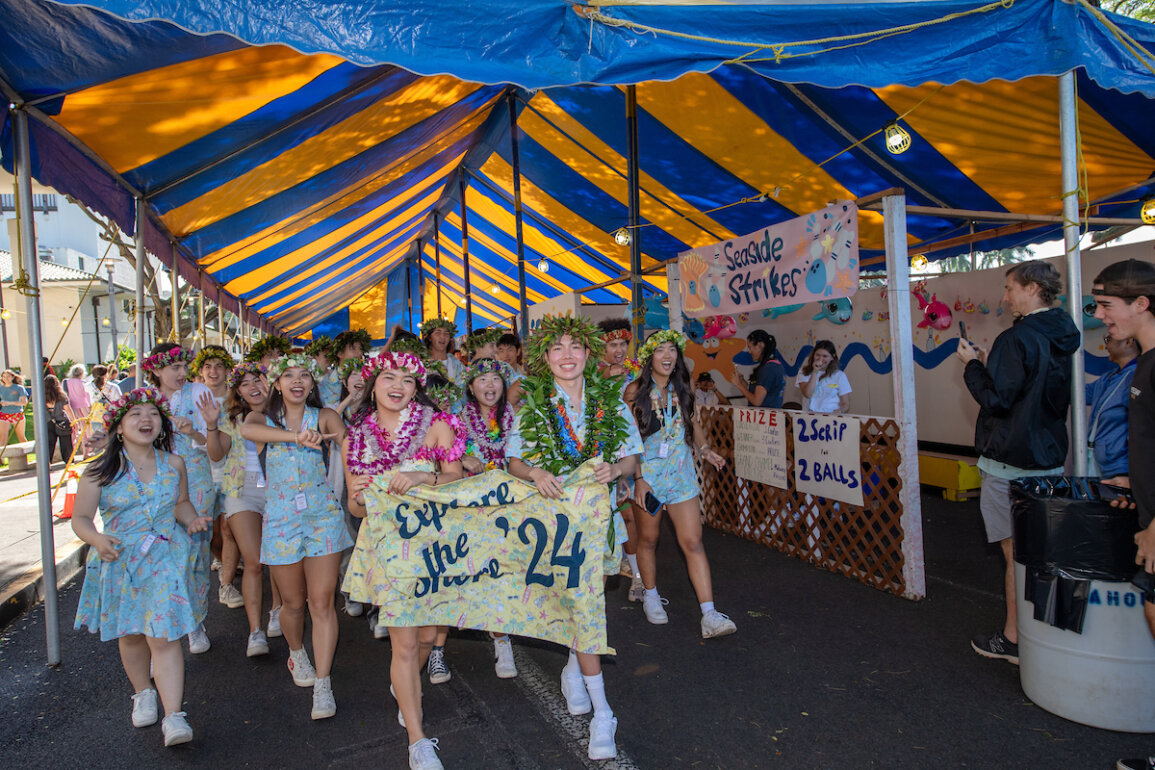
[(146, 589), (330, 387), (202, 491), (302, 515), (673, 476)]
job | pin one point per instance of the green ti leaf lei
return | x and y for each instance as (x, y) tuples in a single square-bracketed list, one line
[(543, 431)]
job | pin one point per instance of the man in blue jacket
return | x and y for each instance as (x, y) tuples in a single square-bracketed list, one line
[(1108, 397), (1023, 388)]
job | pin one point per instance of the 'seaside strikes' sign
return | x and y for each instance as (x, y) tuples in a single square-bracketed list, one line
[(489, 552), (810, 258)]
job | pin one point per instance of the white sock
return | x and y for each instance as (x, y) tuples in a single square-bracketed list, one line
[(596, 687), (633, 560), (652, 592), (706, 607), (572, 669)]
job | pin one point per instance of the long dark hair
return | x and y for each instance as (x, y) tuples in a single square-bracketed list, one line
[(769, 347), (52, 390), (648, 420), (235, 403), (276, 405), (368, 403), (99, 376), (502, 403), (110, 466)]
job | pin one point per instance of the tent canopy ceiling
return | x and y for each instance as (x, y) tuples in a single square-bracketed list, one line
[(294, 165)]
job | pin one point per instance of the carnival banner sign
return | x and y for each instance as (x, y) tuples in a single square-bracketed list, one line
[(489, 552), (809, 258), (760, 445), (827, 461)]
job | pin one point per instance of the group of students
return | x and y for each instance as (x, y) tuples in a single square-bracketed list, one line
[(821, 382), (274, 456)]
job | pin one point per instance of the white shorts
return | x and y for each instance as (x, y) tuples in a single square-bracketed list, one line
[(252, 497)]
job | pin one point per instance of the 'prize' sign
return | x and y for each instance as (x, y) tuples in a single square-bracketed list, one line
[(760, 446)]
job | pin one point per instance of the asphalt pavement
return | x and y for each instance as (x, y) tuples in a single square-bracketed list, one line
[(824, 672)]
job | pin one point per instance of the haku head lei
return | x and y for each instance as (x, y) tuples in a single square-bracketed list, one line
[(479, 338), (211, 351), (118, 408), (485, 366), (322, 345), (403, 361), (657, 338), (444, 396), (239, 372), (284, 363), (433, 324), (552, 329), (161, 360), (266, 345), (352, 337), (409, 345), (348, 366), (617, 334), (435, 367)]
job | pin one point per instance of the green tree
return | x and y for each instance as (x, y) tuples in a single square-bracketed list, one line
[(1144, 10)]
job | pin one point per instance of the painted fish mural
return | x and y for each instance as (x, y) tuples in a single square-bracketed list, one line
[(935, 314), (837, 311)]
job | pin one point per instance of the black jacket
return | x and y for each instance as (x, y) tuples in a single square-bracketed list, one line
[(1024, 391)]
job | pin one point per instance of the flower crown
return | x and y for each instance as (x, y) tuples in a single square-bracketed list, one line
[(480, 338), (429, 326), (552, 329), (161, 360), (321, 345), (617, 334), (444, 396), (657, 338), (284, 363), (348, 366), (240, 371), (211, 351), (266, 345), (408, 345), (485, 366), (384, 361), (118, 408), (352, 337)]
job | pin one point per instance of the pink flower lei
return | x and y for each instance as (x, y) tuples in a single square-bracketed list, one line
[(403, 361), (452, 454), (389, 451), (161, 360), (482, 442), (118, 408)]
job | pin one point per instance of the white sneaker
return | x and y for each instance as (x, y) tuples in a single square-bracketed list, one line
[(577, 700), (637, 589), (198, 640), (275, 622), (324, 704), (437, 667), (380, 632), (423, 755), (602, 732), (503, 664), (229, 596), (714, 624), (304, 675), (176, 729), (652, 605), (144, 708), (354, 609), (258, 644), (400, 716)]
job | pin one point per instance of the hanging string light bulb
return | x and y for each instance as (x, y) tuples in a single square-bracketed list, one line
[(1147, 211), (495, 289), (623, 237), (5, 314), (919, 262), (897, 138), (543, 265)]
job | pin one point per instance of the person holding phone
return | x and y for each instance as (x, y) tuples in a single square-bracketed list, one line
[(823, 384), (663, 406)]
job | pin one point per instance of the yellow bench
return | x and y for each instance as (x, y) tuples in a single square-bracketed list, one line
[(959, 479)]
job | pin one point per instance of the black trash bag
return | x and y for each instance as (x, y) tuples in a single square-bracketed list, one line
[(1067, 534)]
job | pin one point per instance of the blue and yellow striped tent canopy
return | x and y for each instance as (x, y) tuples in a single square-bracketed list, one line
[(306, 160)]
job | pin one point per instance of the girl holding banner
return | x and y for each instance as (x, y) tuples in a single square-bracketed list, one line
[(572, 415), (663, 405), (397, 433), (304, 529), (488, 420)]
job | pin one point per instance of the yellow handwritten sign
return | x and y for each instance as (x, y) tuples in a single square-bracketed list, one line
[(488, 552)]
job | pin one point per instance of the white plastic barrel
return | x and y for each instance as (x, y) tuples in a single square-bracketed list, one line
[(1103, 677)]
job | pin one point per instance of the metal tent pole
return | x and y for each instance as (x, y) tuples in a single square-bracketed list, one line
[(111, 267), (465, 254), (1069, 148), (516, 155), (176, 337), (637, 315), (902, 381), (140, 257), (437, 259), (202, 331), (31, 266)]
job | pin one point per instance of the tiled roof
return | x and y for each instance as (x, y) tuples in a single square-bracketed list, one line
[(49, 271)]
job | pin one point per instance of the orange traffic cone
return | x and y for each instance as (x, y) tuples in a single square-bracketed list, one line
[(69, 494)]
